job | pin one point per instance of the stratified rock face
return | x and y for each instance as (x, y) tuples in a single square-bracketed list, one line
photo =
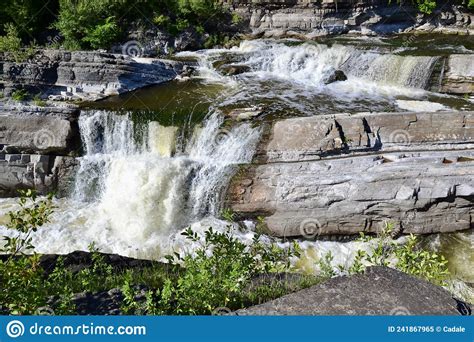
[(459, 77), (37, 145), (343, 174), (86, 75), (308, 18), (28, 129), (379, 291)]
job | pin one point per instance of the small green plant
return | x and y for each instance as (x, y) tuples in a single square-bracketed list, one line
[(39, 101), (11, 41), (325, 265), (407, 257), (217, 279), (90, 278), (20, 95), (236, 18), (228, 215)]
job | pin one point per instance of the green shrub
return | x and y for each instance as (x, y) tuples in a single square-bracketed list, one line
[(39, 101), (102, 35), (23, 287), (217, 279), (470, 5), (20, 95), (11, 41), (407, 257)]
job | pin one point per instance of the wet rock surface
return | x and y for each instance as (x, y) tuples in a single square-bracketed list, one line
[(343, 174), (379, 291)]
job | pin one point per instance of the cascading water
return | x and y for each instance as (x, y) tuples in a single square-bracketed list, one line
[(132, 195), (294, 77)]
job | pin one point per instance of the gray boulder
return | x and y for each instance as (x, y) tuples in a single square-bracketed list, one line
[(379, 291)]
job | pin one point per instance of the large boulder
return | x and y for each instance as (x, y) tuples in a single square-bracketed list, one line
[(379, 291)]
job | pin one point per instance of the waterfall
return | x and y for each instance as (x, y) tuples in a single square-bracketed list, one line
[(140, 188), (312, 64)]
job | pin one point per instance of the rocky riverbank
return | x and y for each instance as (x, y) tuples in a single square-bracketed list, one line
[(343, 174), (309, 19), (83, 75)]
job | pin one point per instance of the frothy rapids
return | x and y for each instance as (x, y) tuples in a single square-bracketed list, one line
[(133, 194)]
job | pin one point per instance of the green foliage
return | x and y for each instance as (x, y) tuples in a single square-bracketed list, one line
[(426, 6), (11, 41), (33, 213), (39, 101), (421, 263), (228, 215), (23, 287), (407, 257), (470, 4), (102, 35), (200, 8), (327, 271), (87, 23), (217, 279)]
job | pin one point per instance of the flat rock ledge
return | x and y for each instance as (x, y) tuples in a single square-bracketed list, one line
[(344, 174), (379, 291), (84, 75)]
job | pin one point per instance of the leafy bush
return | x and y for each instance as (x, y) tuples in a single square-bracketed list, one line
[(10, 42), (24, 290), (218, 272), (87, 23), (407, 257), (20, 95), (102, 35)]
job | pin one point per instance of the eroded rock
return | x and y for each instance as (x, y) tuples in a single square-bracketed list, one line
[(350, 173), (379, 291)]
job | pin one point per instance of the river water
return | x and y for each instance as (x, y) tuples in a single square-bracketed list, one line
[(156, 160)]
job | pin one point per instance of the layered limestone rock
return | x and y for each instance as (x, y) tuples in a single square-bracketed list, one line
[(459, 76), (85, 75), (37, 148), (310, 19), (343, 174)]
